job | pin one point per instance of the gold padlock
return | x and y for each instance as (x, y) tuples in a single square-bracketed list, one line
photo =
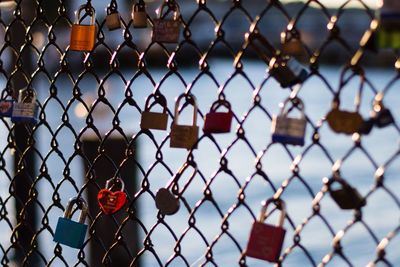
[(184, 136), (167, 30), (83, 37), (139, 15), (155, 120), (113, 21)]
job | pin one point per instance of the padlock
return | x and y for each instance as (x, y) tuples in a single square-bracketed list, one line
[(167, 30), (111, 201), (139, 15), (218, 122), (184, 136), (291, 45), (346, 197), (83, 37), (287, 130), (266, 240), (166, 202), (69, 232), (345, 122), (6, 107), (26, 109), (155, 120), (382, 116), (113, 20), (286, 70)]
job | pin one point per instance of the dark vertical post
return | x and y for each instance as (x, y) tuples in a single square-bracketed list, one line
[(24, 161), (107, 226)]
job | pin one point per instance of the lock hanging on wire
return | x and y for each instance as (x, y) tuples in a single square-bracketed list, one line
[(155, 120), (266, 241), (167, 30), (113, 20), (286, 130), (69, 232), (83, 37), (25, 110), (184, 136), (218, 122), (139, 15)]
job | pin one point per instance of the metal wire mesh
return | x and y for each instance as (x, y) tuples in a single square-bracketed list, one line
[(100, 95)]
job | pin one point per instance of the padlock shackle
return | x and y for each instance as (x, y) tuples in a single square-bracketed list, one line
[(22, 97), (79, 202), (114, 181), (343, 82), (300, 104), (158, 99), (279, 203), (182, 169), (219, 103), (177, 11), (79, 11), (191, 99)]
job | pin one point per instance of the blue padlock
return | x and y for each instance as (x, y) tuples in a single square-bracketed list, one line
[(26, 109), (287, 130), (69, 232), (6, 108)]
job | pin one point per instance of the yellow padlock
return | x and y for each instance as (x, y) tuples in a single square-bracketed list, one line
[(83, 37)]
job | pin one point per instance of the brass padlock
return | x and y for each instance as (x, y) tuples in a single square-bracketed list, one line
[(184, 136), (83, 37), (291, 44), (342, 121), (167, 30), (113, 20), (139, 15), (155, 120)]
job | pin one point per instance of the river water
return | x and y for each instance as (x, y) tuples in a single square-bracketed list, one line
[(381, 214)]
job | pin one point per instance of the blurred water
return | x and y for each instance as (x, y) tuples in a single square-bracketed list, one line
[(381, 214)]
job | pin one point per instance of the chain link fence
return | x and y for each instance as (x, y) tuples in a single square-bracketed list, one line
[(196, 206)]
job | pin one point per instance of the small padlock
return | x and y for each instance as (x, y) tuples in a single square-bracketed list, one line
[(345, 122), (266, 240), (26, 109), (166, 202), (291, 44), (345, 197), (167, 30), (111, 201), (382, 116), (113, 20), (287, 130), (6, 107), (287, 71), (69, 232), (218, 122), (139, 15), (184, 136), (155, 120), (83, 37)]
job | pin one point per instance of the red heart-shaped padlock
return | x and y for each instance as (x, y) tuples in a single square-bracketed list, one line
[(111, 202)]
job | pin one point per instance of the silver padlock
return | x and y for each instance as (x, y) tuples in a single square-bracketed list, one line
[(139, 15), (287, 130), (167, 30), (113, 20), (26, 109)]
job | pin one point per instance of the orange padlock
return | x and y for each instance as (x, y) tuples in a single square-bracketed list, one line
[(83, 37)]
